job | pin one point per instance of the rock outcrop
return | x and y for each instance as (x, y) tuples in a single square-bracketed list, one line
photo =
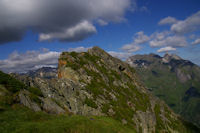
[(95, 83)]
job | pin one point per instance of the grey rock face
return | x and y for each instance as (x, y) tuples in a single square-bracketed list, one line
[(51, 107), (26, 101), (182, 76), (168, 57)]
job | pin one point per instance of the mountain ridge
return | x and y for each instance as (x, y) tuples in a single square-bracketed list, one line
[(172, 79), (94, 83)]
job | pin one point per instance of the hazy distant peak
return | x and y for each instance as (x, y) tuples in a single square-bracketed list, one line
[(168, 57), (154, 55)]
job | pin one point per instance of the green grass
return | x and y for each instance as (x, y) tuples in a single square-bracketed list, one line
[(72, 65), (167, 87), (91, 103), (73, 54), (19, 119), (35, 91), (91, 58), (159, 123), (11, 83), (35, 98), (95, 88), (105, 108)]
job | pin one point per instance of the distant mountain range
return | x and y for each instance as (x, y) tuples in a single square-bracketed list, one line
[(173, 79)]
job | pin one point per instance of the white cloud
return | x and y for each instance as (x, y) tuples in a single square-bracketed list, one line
[(174, 41), (166, 49), (160, 35), (168, 21), (102, 22), (177, 36), (78, 32), (58, 19), (190, 24), (139, 38), (120, 55), (131, 48), (78, 49), (31, 60), (197, 41)]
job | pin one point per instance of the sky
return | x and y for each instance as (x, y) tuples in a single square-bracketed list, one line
[(33, 33)]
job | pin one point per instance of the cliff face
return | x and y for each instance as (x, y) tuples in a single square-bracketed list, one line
[(172, 79), (95, 83)]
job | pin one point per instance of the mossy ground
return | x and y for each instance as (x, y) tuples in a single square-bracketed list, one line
[(18, 119)]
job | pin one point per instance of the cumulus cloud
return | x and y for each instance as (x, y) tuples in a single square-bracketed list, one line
[(120, 55), (102, 22), (78, 32), (168, 20), (190, 24), (160, 35), (131, 48), (166, 49), (197, 41), (65, 20), (139, 38), (31, 60), (174, 41), (176, 37)]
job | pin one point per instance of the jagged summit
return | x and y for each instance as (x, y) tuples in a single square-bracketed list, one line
[(168, 57), (143, 60), (154, 55), (96, 49), (173, 56), (147, 59)]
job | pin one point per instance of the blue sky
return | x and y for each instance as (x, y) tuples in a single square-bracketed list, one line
[(131, 27)]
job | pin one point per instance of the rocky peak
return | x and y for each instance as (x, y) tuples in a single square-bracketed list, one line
[(96, 51), (154, 55), (143, 60), (168, 57)]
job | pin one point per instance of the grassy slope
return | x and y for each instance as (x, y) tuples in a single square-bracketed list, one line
[(19, 119), (15, 118), (123, 111), (166, 86)]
